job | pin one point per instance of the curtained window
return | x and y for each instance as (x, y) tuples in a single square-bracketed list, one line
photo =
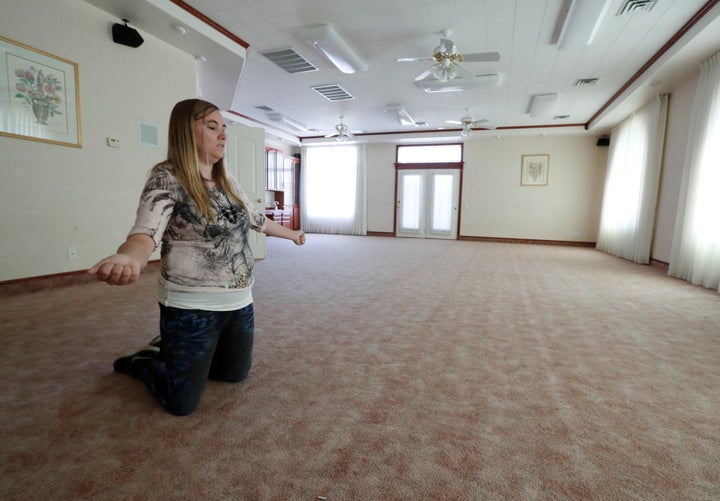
[(631, 185), (696, 242), (333, 181)]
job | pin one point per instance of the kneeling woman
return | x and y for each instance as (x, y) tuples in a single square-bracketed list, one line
[(201, 218)]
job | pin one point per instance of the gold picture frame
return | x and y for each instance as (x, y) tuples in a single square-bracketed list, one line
[(534, 170), (39, 95)]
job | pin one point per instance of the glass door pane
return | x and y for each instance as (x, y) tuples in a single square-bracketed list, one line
[(412, 202), (442, 202)]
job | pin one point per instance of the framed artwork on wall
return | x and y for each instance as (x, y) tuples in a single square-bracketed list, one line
[(39, 95), (534, 170)]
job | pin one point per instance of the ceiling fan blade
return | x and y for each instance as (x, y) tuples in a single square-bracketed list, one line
[(424, 74), (481, 121), (455, 122), (481, 57), (332, 134), (414, 59), (462, 72)]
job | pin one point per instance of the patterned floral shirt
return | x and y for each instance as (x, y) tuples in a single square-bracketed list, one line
[(198, 254)]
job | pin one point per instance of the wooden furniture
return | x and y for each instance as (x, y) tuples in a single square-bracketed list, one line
[(282, 179)]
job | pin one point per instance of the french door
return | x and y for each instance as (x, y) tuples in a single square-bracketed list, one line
[(427, 203)]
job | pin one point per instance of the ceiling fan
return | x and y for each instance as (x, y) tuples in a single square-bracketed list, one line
[(447, 61), (467, 122), (342, 133)]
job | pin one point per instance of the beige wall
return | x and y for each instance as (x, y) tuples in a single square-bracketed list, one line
[(494, 204), (56, 197), (380, 161)]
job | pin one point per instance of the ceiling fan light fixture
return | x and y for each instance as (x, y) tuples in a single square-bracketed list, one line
[(336, 49)]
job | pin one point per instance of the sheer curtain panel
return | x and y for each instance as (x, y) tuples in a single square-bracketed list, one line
[(695, 255), (333, 181), (631, 185)]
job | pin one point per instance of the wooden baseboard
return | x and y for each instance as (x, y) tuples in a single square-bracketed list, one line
[(54, 281), (656, 263), (380, 234), (565, 243)]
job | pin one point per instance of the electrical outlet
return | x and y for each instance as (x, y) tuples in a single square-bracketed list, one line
[(72, 253), (113, 142)]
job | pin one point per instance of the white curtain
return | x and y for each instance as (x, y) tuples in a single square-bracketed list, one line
[(631, 186), (333, 181), (695, 254)]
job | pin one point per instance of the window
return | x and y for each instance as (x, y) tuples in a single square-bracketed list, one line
[(334, 189), (422, 154)]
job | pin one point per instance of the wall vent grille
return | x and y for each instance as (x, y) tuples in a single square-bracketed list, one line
[(586, 82), (333, 92), (290, 61)]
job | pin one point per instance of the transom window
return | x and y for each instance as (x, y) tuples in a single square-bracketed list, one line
[(436, 153)]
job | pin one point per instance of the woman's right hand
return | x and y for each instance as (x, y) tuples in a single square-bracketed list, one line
[(117, 269)]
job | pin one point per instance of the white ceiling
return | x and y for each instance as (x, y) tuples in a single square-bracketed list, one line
[(522, 31)]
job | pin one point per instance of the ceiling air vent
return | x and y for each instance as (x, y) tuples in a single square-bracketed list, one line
[(333, 92), (290, 61), (630, 6), (264, 108), (586, 82)]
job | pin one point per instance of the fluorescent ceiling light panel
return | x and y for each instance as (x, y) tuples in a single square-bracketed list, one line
[(335, 48), (542, 105), (402, 115), (294, 123), (461, 83), (582, 22), (279, 117)]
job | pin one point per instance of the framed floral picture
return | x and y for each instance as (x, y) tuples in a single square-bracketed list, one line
[(534, 170), (39, 95)]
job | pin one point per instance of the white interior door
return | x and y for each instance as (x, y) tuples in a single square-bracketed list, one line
[(245, 160), (427, 203)]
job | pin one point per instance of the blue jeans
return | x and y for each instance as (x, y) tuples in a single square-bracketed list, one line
[(198, 345)]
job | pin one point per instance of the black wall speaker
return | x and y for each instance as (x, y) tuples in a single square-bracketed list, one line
[(603, 141), (125, 35)]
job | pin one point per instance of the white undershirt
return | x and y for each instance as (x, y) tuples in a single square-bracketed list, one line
[(209, 301)]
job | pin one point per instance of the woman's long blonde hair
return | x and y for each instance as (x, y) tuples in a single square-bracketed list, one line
[(182, 155)]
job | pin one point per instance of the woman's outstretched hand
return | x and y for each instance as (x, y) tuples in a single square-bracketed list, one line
[(299, 237), (117, 269)]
